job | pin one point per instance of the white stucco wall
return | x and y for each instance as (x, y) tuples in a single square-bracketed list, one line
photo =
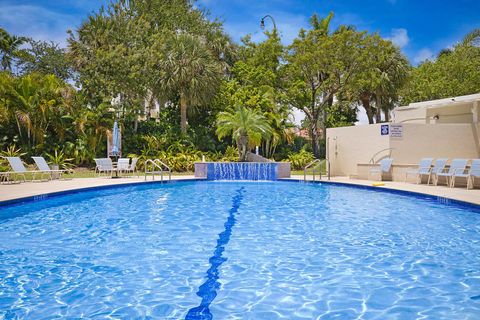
[(349, 146)]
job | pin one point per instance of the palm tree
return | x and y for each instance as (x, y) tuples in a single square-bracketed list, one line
[(472, 38), (189, 70), (246, 126), (9, 48)]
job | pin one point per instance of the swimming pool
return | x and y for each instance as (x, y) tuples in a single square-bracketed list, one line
[(239, 250)]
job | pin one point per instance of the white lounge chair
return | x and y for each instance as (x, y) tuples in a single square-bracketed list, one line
[(438, 166), (385, 168), (43, 166), (473, 172), (133, 167), (457, 166), (104, 165), (424, 169), (123, 164), (18, 169)]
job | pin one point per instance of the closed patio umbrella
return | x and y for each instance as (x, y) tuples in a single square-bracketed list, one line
[(115, 140)]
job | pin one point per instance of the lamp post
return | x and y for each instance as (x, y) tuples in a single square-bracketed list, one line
[(262, 22)]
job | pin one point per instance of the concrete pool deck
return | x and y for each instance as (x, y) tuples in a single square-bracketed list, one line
[(29, 189)]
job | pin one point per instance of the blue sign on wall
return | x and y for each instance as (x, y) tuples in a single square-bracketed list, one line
[(384, 130)]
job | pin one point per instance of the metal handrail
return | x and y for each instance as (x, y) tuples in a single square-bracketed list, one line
[(372, 159), (319, 161), (157, 163), (161, 163)]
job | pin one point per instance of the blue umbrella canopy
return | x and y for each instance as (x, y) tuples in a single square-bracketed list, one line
[(115, 140)]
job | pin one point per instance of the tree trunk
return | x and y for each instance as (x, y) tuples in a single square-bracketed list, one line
[(368, 109), (387, 115), (324, 127), (183, 113), (378, 105), (314, 136), (242, 145), (135, 124)]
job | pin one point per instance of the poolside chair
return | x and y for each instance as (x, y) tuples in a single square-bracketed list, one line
[(438, 166), (473, 172), (424, 169), (457, 166), (18, 169), (384, 169), (43, 166), (123, 164), (133, 167), (5, 177), (104, 165)]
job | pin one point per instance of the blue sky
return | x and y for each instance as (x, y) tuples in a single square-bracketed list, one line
[(421, 28)]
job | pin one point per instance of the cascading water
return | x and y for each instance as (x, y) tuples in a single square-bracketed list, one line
[(242, 171)]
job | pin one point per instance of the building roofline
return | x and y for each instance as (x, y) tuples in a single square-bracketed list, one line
[(441, 102)]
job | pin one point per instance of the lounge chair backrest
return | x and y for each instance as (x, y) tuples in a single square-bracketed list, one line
[(475, 168), (425, 165), (386, 164), (439, 165), (42, 165), (16, 164), (457, 166), (123, 163), (104, 163), (134, 163)]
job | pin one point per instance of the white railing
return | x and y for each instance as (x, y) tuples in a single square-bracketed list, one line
[(389, 155), (317, 163), (156, 166)]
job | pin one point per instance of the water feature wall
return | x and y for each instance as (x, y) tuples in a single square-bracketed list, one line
[(242, 170)]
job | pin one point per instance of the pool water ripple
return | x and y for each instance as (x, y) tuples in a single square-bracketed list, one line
[(295, 251), (208, 290)]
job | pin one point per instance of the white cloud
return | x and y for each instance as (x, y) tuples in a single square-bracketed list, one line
[(36, 22), (399, 37), (423, 54)]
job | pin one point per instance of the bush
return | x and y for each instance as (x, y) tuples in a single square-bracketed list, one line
[(301, 159)]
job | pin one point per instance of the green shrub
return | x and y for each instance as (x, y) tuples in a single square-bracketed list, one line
[(301, 159)]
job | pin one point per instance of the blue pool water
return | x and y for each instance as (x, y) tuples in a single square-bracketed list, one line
[(239, 250)]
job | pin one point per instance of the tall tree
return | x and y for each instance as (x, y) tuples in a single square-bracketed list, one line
[(10, 48), (319, 66), (117, 51), (452, 74), (188, 69), (383, 73), (46, 58)]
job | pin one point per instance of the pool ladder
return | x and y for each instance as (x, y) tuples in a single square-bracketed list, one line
[(317, 163), (156, 166)]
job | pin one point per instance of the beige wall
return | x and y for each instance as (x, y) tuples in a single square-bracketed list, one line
[(433, 141), (460, 112), (348, 146), (410, 115)]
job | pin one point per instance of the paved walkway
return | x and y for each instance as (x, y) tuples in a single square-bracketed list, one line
[(28, 189), (458, 193)]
